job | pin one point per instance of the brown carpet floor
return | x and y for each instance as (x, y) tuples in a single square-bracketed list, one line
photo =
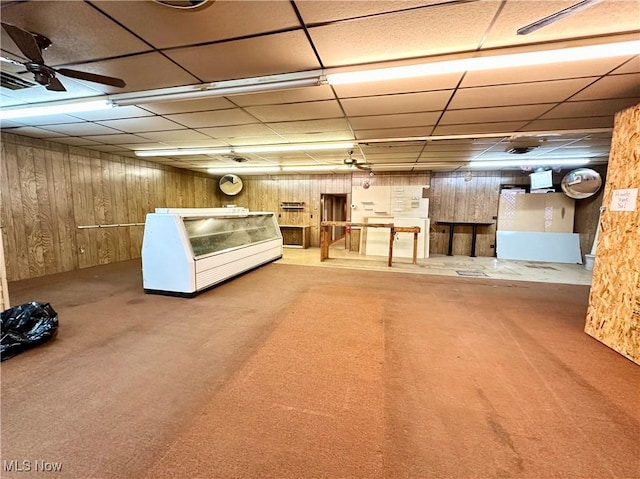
[(302, 372)]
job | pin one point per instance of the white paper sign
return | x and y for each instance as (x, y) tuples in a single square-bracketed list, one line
[(624, 200)]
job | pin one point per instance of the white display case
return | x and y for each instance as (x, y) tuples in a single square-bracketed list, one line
[(185, 251)]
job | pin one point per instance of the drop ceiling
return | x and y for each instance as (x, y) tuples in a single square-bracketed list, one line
[(439, 122)]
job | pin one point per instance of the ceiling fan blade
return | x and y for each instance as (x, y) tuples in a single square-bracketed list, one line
[(55, 85), (11, 60), (92, 77), (25, 41), (543, 22)]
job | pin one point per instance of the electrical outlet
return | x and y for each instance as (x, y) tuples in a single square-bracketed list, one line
[(492, 246)]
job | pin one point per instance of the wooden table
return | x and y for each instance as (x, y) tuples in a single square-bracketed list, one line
[(474, 233), (324, 236), (295, 236)]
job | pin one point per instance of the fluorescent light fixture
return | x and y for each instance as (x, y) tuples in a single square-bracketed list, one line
[(480, 62), (53, 108), (292, 147), (222, 88), (304, 168), (184, 152), (244, 149), (539, 162), (220, 170)]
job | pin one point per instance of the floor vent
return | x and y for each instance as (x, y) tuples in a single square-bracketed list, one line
[(13, 82)]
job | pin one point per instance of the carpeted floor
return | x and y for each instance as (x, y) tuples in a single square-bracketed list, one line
[(302, 372)]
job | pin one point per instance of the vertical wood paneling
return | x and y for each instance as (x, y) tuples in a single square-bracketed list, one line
[(49, 189), (33, 233)]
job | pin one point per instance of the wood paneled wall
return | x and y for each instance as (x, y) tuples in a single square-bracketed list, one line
[(459, 196), (265, 193), (613, 316), (49, 189)]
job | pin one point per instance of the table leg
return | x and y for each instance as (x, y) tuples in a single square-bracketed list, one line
[(415, 248), (474, 233), (324, 242), (450, 247), (391, 236)]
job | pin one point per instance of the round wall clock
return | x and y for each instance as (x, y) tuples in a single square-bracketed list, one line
[(230, 184)]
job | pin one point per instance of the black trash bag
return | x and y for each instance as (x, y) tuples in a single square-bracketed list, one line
[(25, 326)]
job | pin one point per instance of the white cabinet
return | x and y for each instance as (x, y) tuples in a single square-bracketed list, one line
[(187, 250)]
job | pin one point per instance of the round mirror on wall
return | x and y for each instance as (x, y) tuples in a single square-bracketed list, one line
[(185, 4), (581, 183), (230, 184)]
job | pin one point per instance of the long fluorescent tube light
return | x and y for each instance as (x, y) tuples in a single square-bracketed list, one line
[(489, 62), (245, 149), (42, 109), (190, 93), (184, 152), (539, 162), (292, 147), (219, 170), (315, 168)]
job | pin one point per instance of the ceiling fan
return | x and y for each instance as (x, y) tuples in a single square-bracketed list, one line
[(353, 162), (32, 45), (554, 17)]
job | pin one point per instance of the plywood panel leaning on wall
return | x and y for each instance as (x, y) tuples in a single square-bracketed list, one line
[(613, 316)]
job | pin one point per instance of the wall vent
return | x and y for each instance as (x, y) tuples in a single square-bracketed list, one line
[(13, 82)]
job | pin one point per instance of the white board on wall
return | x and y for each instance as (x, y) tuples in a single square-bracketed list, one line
[(381, 201)]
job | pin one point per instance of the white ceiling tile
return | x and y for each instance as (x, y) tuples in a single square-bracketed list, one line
[(255, 129), (113, 113), (206, 119), (632, 66), (569, 124), (491, 114), (295, 95), (117, 139), (331, 11), (590, 108), (166, 27), (142, 124), (174, 135), (188, 106), (389, 87), (106, 148), (309, 126), (254, 140), (402, 103), (146, 71), (316, 137), (403, 35), (49, 120), (77, 31), (478, 128), (521, 94), (394, 121), (75, 141), (613, 86), (621, 16), (296, 111), (557, 71), (194, 143), (81, 129), (407, 132), (279, 53), (34, 132), (39, 94)]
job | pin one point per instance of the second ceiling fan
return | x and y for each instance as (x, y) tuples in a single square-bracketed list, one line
[(32, 45)]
